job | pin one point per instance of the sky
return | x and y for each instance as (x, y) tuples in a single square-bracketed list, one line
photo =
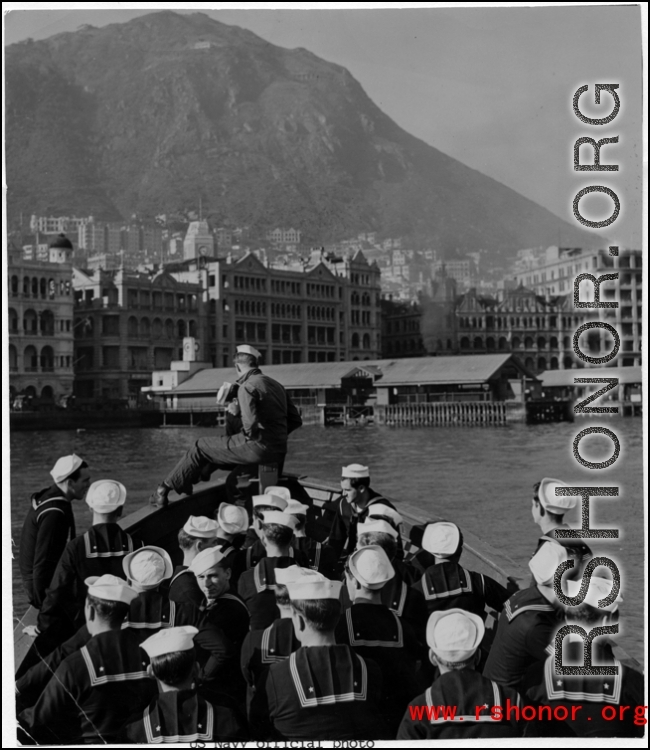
[(490, 86)]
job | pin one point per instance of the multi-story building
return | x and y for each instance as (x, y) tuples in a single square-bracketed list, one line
[(537, 327), (57, 224), (284, 236), (128, 324), (324, 311), (199, 241), (41, 337), (400, 329), (462, 270)]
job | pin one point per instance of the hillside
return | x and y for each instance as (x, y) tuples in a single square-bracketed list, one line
[(151, 115)]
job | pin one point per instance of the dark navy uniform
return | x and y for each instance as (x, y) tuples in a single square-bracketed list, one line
[(321, 692), (99, 551), (34, 681), (407, 603), (467, 691), (48, 525), (377, 633), (253, 554), (343, 532), (524, 635), (317, 556), (584, 696), (183, 588), (223, 625), (262, 648), (257, 589), (94, 693), (151, 611), (448, 585), (183, 716)]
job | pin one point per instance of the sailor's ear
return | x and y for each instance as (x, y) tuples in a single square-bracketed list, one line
[(432, 658), (150, 671)]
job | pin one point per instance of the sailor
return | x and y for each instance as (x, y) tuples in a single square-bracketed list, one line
[(145, 570), (198, 533), (351, 508), (397, 594), (276, 500), (593, 705), (316, 555), (548, 513), (375, 632), (49, 523), (383, 512), (223, 624), (448, 585), (96, 690), (178, 714), (232, 526), (256, 586), (99, 550), (528, 622), (268, 417), (322, 690), (453, 636), (277, 642)]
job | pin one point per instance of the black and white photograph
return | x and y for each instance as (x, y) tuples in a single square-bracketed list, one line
[(324, 374)]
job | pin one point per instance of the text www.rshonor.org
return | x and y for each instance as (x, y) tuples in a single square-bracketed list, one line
[(527, 713)]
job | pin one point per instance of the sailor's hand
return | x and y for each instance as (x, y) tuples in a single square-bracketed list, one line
[(32, 631), (233, 408)]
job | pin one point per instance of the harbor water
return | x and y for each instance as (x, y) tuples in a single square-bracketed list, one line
[(480, 478)]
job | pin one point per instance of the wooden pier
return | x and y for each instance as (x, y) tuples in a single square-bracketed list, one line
[(447, 413)]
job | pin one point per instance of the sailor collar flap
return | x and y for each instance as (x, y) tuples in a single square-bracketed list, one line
[(278, 641), (247, 375), (150, 611), (364, 631), (444, 580), (179, 573), (114, 659), (590, 688), (394, 595), (440, 701), (223, 599), (325, 675), (528, 600), (264, 572), (107, 540), (170, 724)]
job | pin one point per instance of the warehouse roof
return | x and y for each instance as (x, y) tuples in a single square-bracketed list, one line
[(477, 368), (564, 378)]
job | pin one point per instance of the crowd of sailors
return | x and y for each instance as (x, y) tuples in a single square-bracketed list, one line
[(289, 622)]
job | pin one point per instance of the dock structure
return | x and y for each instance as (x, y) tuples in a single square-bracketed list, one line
[(487, 389)]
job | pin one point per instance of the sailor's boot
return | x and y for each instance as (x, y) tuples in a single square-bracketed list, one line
[(159, 496)]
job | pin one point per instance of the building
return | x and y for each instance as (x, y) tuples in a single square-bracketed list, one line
[(401, 334), (127, 325), (284, 236), (462, 270), (327, 310), (199, 241), (57, 224), (41, 337)]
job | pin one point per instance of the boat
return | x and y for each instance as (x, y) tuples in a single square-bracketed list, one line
[(159, 526)]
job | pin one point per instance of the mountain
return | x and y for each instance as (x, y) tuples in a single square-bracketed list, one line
[(152, 115)]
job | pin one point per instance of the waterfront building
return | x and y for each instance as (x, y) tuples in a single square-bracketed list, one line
[(41, 338), (400, 328), (128, 324), (326, 310)]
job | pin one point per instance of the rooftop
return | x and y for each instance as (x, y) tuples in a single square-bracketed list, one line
[(564, 378)]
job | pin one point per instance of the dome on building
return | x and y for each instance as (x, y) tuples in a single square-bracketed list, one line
[(61, 241)]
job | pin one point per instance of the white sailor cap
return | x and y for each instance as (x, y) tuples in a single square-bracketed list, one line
[(282, 519), (65, 466), (110, 588), (296, 574), (106, 495), (170, 640), (355, 471), (248, 349), (201, 526), (282, 492), (454, 634), (545, 561), (295, 508), (233, 519), (376, 524), (560, 504), (322, 588), (275, 501), (599, 589), (441, 538), (207, 559), (148, 566), (381, 509), (371, 567)]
